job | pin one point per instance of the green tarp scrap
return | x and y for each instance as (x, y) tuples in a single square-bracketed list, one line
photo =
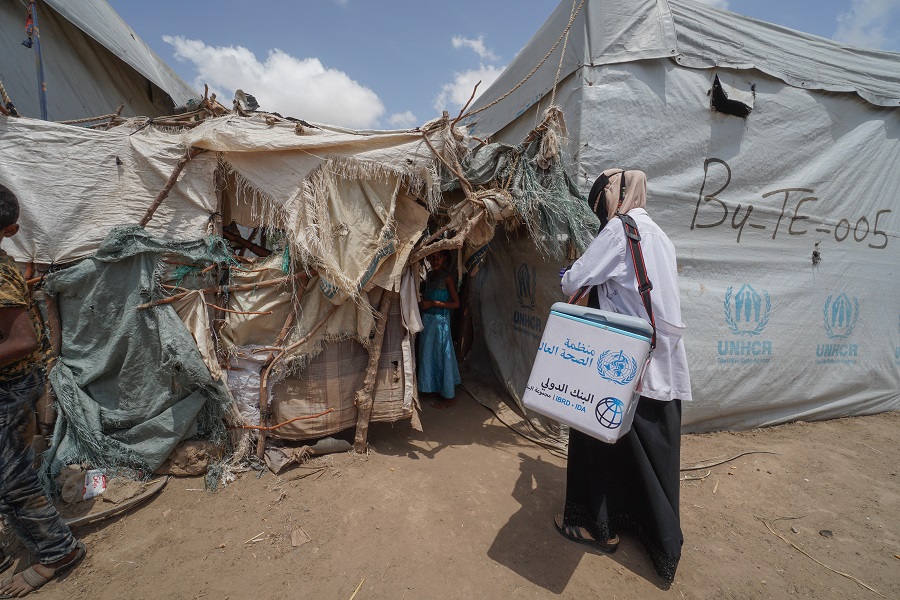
[(130, 384)]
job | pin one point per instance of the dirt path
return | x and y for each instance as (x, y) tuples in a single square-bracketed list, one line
[(464, 511)]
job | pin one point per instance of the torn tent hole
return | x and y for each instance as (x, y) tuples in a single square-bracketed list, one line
[(729, 100)]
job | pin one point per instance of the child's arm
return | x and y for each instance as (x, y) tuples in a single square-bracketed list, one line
[(17, 336), (454, 297)]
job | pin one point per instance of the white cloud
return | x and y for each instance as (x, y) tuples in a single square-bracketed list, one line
[(291, 86), (476, 45), (456, 94), (867, 23), (715, 3), (404, 120)]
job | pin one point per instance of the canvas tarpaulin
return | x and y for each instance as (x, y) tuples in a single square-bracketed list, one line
[(332, 193), (72, 192), (130, 384)]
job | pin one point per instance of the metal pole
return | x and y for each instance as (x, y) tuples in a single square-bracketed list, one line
[(42, 82)]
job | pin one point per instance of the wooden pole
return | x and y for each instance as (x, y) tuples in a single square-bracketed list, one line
[(179, 166), (365, 397), (45, 408), (264, 381), (115, 116), (243, 287)]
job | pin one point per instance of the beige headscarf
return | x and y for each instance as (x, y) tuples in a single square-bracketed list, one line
[(635, 192)]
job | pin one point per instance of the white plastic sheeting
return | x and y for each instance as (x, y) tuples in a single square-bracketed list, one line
[(72, 192), (786, 223)]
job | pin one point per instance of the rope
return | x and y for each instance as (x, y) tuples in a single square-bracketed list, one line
[(3, 95), (564, 34), (88, 119), (562, 55)]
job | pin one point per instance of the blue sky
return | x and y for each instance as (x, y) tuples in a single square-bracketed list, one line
[(397, 63)]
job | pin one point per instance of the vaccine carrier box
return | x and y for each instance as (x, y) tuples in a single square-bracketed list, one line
[(588, 369)]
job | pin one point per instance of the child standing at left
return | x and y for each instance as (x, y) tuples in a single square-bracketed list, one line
[(24, 351)]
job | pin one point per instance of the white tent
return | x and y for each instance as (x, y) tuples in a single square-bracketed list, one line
[(785, 219), (93, 62)]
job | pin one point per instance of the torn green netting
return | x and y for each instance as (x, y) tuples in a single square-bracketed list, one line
[(130, 383), (546, 201)]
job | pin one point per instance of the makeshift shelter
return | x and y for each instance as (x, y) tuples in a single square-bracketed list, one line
[(773, 160), (165, 333), (93, 63)]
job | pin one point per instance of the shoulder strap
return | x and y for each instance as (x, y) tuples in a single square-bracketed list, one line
[(637, 256)]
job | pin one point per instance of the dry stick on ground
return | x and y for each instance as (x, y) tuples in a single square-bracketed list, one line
[(801, 550), (357, 588), (706, 465), (693, 478), (365, 396), (179, 166)]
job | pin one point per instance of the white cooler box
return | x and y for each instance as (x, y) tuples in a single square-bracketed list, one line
[(587, 370)]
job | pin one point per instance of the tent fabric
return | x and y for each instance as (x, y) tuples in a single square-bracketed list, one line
[(93, 62), (708, 38), (784, 223), (693, 34), (99, 20), (128, 388)]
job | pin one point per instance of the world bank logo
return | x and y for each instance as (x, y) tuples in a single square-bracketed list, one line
[(609, 412), (616, 367), (840, 315), (750, 313), (526, 285)]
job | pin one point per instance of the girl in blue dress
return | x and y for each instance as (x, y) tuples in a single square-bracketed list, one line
[(438, 370)]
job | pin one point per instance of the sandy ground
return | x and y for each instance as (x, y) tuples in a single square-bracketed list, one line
[(464, 510)]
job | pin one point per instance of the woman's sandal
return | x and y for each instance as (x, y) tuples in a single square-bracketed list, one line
[(574, 533), (35, 580)]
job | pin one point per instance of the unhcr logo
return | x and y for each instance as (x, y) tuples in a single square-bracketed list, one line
[(840, 316), (749, 313), (746, 314), (526, 286), (526, 293)]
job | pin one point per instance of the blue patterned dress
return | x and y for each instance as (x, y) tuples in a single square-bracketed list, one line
[(438, 371)]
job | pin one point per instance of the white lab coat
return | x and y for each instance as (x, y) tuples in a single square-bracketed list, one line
[(607, 263)]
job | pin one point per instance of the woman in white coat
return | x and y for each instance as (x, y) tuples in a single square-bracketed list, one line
[(634, 483)]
